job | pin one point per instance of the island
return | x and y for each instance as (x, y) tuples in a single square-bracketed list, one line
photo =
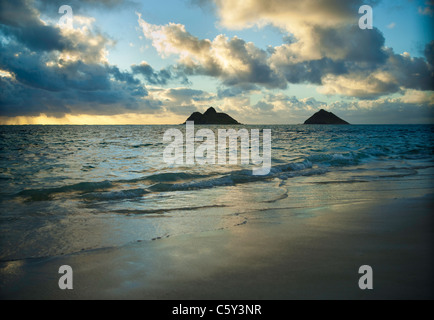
[(325, 117), (211, 116)]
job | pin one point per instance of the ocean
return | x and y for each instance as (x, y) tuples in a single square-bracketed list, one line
[(68, 189)]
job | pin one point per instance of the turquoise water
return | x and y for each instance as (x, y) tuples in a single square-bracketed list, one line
[(65, 189)]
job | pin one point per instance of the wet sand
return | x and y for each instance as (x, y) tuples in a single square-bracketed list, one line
[(278, 254)]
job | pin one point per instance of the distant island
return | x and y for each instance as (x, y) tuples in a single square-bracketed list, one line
[(325, 117), (211, 116)]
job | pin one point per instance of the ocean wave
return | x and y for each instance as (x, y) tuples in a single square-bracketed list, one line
[(159, 182), (339, 181), (47, 193), (168, 182), (317, 164), (142, 145), (304, 173), (336, 159), (133, 212), (292, 166), (165, 177), (193, 185), (173, 176), (238, 177), (116, 195)]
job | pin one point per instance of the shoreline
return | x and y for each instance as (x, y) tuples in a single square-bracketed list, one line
[(299, 254)]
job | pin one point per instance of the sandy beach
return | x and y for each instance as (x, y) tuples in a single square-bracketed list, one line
[(279, 254)]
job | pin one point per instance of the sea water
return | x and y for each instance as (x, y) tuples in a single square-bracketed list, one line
[(67, 189)]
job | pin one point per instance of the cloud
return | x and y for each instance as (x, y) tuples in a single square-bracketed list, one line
[(58, 71), (399, 72), (387, 110), (264, 106), (323, 45), (411, 73), (286, 14), (429, 53), (284, 103), (20, 21), (162, 77), (206, 5), (413, 106), (150, 75), (182, 100), (304, 20), (40, 84), (328, 48), (272, 108), (418, 97), (366, 86), (233, 61), (233, 91), (101, 90), (428, 9)]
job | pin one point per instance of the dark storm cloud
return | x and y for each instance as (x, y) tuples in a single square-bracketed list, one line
[(123, 76), (344, 50), (32, 70), (19, 20), (358, 55), (54, 72), (19, 99), (150, 74), (312, 71), (316, 54), (398, 73), (256, 68), (71, 87), (351, 44), (161, 77), (412, 73), (429, 53), (314, 50)]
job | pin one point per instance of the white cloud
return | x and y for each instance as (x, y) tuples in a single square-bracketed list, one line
[(234, 61)]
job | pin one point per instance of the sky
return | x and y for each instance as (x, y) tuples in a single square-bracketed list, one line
[(260, 61)]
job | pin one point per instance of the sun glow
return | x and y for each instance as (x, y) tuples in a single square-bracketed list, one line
[(70, 119)]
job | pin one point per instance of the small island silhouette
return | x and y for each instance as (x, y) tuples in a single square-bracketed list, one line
[(325, 117), (211, 116)]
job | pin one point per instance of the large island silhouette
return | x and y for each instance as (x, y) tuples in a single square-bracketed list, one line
[(325, 117), (211, 116)]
